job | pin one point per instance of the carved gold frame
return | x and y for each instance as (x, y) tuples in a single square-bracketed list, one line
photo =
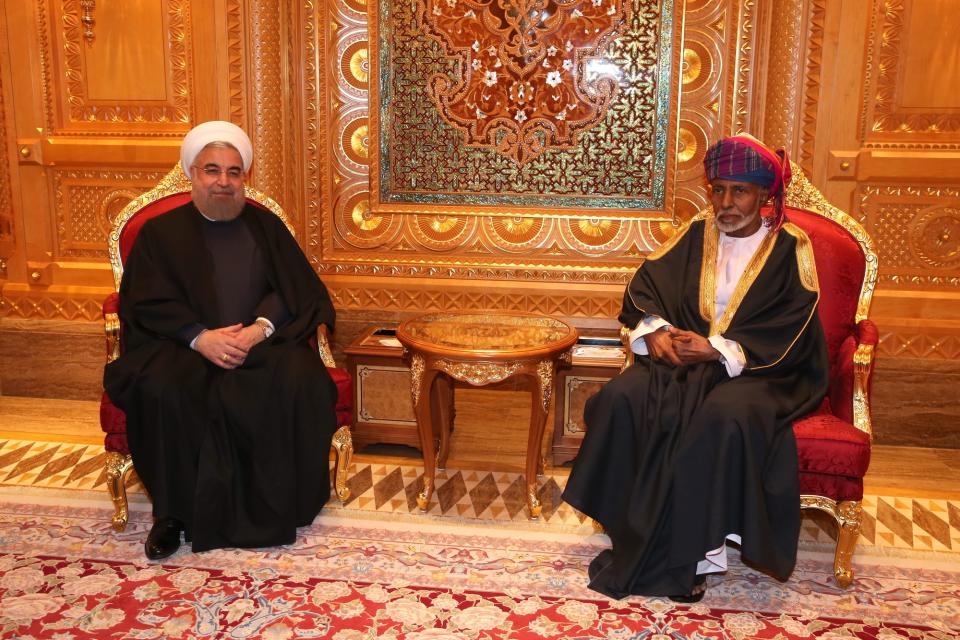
[(666, 137)]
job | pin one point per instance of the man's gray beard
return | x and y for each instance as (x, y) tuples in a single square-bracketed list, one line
[(216, 209), (223, 210), (734, 227)]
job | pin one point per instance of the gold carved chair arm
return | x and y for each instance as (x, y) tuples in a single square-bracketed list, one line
[(628, 354), (867, 337), (323, 346), (111, 326)]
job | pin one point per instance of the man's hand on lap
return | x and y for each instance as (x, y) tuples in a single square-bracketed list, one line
[(661, 347), (225, 347), (691, 347)]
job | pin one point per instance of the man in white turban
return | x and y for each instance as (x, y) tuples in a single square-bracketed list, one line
[(229, 411)]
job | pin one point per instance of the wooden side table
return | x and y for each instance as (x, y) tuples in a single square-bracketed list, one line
[(480, 349)]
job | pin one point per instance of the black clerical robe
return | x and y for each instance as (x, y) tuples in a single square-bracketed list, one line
[(240, 456), (676, 458)]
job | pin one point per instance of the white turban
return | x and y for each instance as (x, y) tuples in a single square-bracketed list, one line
[(215, 131)]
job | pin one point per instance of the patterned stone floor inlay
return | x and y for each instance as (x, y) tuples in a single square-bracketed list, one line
[(888, 521)]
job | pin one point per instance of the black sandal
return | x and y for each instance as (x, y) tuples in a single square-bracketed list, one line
[(700, 580)]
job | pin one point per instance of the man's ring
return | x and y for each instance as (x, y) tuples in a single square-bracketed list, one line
[(224, 357)]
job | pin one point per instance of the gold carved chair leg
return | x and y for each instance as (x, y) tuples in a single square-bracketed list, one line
[(848, 516), (343, 443), (118, 468)]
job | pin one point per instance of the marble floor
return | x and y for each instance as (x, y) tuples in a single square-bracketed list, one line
[(912, 496)]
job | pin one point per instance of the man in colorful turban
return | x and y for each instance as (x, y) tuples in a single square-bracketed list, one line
[(692, 446), (230, 413)]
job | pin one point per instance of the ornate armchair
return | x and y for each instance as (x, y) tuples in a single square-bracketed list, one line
[(173, 191), (833, 444)]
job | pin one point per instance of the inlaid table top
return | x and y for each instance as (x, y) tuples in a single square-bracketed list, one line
[(487, 335)]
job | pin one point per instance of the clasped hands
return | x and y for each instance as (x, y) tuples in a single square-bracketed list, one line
[(679, 347), (227, 347)]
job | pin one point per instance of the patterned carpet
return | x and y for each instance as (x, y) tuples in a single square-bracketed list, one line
[(66, 574)]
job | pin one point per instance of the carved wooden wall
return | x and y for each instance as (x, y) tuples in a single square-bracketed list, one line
[(875, 116), (848, 88)]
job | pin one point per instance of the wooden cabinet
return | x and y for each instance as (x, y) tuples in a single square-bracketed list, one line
[(382, 406), (593, 361)]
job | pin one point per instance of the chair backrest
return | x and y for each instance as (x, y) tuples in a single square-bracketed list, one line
[(171, 192), (847, 272)]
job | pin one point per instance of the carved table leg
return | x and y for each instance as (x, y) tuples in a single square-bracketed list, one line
[(421, 381), (542, 389), (441, 409), (118, 468)]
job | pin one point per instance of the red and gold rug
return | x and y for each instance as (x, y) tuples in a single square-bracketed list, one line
[(66, 574)]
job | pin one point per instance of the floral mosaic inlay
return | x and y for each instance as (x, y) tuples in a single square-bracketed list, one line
[(530, 103), (531, 77)]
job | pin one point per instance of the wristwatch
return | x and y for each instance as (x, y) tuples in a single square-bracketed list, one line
[(265, 327)]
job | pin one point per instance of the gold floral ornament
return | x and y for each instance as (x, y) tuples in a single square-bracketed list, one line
[(531, 74)]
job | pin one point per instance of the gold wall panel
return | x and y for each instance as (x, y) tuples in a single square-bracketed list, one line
[(87, 201), (397, 297), (270, 168), (907, 99), (17, 302), (917, 233), (793, 55), (6, 195), (102, 86), (846, 88), (918, 343)]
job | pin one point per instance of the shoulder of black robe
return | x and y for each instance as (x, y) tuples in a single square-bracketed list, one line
[(291, 275), (777, 323), (167, 282), (668, 280)]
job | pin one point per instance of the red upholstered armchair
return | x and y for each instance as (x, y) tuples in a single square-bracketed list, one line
[(833, 444), (173, 191)]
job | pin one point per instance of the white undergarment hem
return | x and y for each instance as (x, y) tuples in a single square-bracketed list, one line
[(716, 560)]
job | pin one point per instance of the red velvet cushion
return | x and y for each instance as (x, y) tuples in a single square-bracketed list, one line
[(113, 421), (838, 488), (341, 377), (828, 445)]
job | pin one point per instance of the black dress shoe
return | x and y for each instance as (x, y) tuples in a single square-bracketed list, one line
[(163, 539)]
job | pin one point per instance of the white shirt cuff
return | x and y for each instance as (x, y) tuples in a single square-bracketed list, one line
[(193, 343), (648, 324), (731, 354)]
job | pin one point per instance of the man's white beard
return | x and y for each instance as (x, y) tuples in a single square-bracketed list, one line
[(733, 227)]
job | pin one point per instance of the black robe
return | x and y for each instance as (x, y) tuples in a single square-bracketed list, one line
[(240, 456), (676, 458)]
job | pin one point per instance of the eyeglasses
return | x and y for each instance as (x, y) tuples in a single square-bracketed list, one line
[(212, 171)]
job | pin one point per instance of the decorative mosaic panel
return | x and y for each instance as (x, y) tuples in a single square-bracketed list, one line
[(439, 241), (523, 104)]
